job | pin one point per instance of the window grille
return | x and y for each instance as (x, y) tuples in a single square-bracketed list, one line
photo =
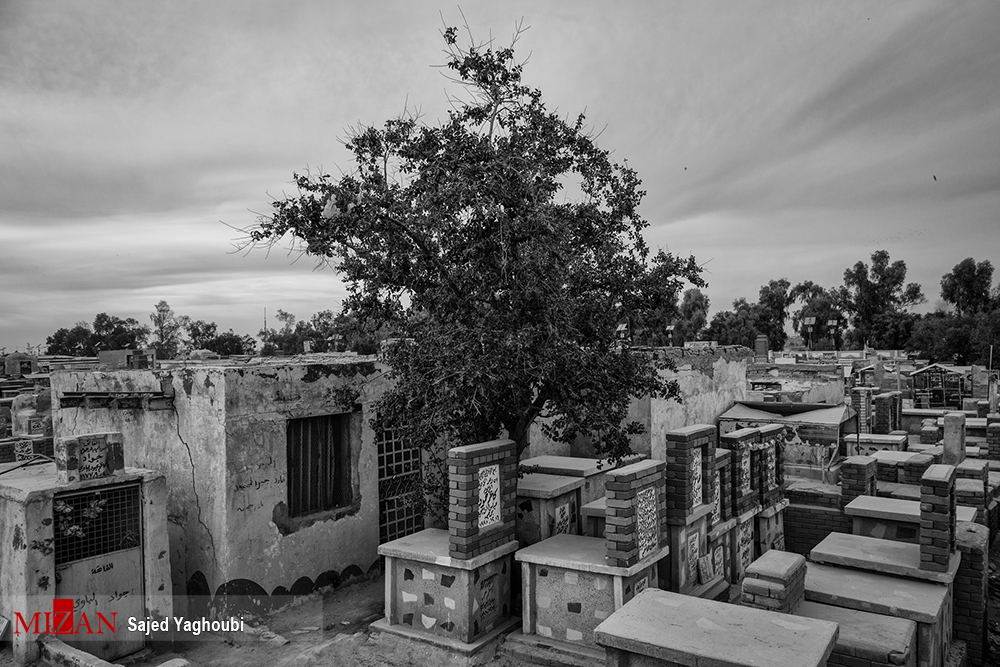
[(97, 522)]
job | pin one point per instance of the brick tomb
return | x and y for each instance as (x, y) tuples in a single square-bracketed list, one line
[(571, 583), (454, 587)]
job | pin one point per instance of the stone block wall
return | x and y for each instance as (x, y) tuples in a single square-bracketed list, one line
[(635, 522), (930, 434), (861, 401), (969, 615), (776, 582), (483, 488), (857, 478), (937, 517), (887, 471)]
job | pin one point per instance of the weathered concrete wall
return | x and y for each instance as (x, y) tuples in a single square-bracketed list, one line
[(278, 554), (27, 569), (711, 381), (186, 444), (223, 450)]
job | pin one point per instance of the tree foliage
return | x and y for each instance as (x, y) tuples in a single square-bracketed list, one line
[(108, 332), (692, 317), (877, 297), (735, 327), (167, 330), (826, 305), (967, 286), (502, 247)]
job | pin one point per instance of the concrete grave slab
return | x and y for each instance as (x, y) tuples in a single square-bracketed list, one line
[(865, 636), (683, 630), (881, 556)]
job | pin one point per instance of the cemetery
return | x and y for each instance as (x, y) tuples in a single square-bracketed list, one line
[(726, 543)]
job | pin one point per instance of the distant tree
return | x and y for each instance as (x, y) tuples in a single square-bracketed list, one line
[(825, 305), (108, 332), (200, 333), (230, 343), (167, 329), (877, 297), (692, 317), (772, 312), (75, 342), (942, 336), (967, 286), (114, 333), (735, 327), (504, 295)]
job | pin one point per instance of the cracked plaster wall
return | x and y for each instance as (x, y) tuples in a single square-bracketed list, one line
[(223, 451), (186, 444)]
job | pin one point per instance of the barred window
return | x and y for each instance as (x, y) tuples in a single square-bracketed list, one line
[(319, 464)]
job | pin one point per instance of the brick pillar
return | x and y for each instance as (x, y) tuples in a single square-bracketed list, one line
[(937, 517), (771, 475), (861, 401), (914, 468), (929, 434), (635, 519), (969, 616), (982, 409), (776, 582), (972, 487), (897, 410), (741, 444), (993, 440), (882, 413), (954, 438), (690, 457), (857, 478), (482, 482)]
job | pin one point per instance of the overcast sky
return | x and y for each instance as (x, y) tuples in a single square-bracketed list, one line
[(775, 139)]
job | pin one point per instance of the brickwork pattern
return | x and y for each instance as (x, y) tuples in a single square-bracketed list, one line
[(857, 478), (776, 582), (861, 401), (972, 487), (887, 471), (626, 528), (882, 416), (969, 614), (723, 465), (930, 434), (993, 440), (682, 450), (741, 444), (937, 518), (466, 538), (982, 409), (771, 474), (914, 468)]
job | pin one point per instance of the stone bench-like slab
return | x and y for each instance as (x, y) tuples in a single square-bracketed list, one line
[(927, 604), (882, 556), (672, 629), (883, 640), (892, 509)]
